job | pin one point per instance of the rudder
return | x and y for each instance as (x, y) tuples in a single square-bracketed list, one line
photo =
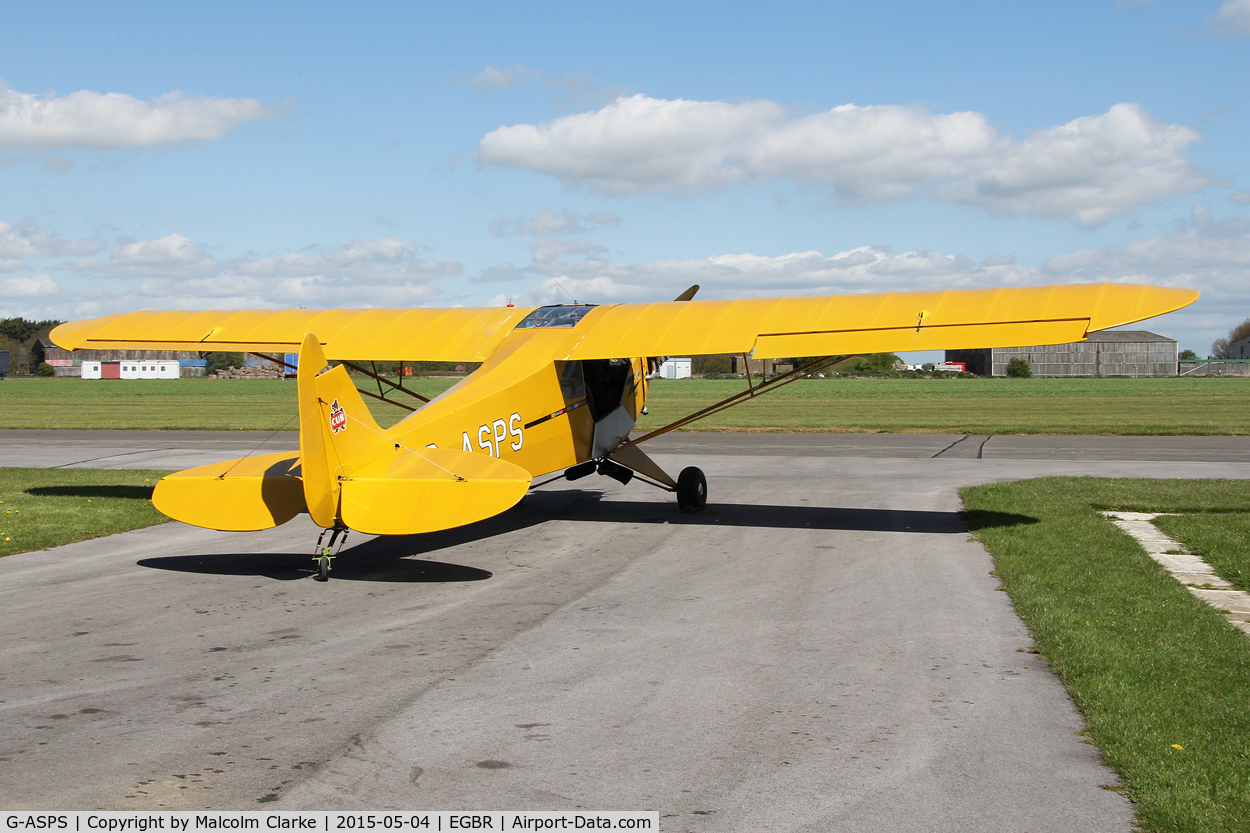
[(337, 434)]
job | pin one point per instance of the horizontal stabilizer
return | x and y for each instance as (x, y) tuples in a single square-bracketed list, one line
[(234, 496), (429, 489)]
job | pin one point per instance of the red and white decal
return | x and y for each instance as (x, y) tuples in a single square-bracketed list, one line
[(338, 418)]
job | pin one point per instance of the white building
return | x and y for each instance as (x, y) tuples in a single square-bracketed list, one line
[(675, 369), (131, 369), (151, 369)]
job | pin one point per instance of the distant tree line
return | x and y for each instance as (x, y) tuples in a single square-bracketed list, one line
[(1222, 348), (18, 334), (222, 361), (715, 363), (23, 332), (871, 363)]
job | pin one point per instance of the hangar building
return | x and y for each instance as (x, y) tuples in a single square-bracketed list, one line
[(1104, 353)]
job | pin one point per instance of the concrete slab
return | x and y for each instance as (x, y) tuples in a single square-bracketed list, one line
[(1232, 601), (1196, 574)]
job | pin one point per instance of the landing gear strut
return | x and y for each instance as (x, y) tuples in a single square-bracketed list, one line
[(691, 489), (325, 555)]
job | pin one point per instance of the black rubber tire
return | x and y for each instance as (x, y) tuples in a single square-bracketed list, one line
[(691, 489), (323, 568)]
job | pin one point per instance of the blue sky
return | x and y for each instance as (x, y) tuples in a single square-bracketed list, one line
[(274, 155)]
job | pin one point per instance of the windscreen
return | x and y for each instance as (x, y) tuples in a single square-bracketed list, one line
[(562, 316)]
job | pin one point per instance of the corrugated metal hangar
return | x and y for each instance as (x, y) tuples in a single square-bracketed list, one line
[(1104, 353)]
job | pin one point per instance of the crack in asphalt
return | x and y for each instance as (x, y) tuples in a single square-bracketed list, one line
[(980, 454)]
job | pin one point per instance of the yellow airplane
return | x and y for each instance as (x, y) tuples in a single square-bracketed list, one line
[(559, 388)]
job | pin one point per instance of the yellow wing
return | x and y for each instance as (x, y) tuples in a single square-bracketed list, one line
[(878, 322), (462, 334), (764, 327)]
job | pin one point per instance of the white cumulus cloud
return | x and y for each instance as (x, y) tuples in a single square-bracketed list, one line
[(550, 249), (26, 239), (87, 119), (1233, 18), (863, 269), (173, 254), (173, 257), (391, 259), (173, 250), (172, 272), (636, 144), (235, 291), (1210, 255), (19, 287), (1091, 168), (1204, 253)]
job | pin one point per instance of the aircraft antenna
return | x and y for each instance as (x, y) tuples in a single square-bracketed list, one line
[(566, 292)]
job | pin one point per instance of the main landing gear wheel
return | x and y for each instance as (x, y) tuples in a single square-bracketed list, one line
[(691, 490)]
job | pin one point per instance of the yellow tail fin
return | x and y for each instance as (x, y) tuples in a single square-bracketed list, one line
[(355, 475), (337, 434)]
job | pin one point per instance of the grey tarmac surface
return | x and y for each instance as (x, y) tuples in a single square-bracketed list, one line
[(184, 449), (825, 651)]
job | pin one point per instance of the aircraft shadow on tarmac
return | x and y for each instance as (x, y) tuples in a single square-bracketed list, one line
[(400, 558), (131, 492), (362, 563)]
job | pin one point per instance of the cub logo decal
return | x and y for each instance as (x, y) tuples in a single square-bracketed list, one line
[(338, 418)]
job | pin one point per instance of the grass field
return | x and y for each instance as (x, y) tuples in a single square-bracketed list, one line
[(1161, 679), (958, 406), (205, 404), (973, 406), (49, 507)]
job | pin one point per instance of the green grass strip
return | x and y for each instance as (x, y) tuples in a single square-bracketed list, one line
[(42, 508), (1208, 406), (1161, 679), (970, 406), (188, 404), (1223, 541)]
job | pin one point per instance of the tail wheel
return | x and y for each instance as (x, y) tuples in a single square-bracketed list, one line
[(691, 489)]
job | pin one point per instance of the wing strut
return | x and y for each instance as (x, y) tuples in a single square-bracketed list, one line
[(751, 391), (381, 380)]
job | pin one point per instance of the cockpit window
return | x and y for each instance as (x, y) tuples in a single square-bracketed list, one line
[(561, 316)]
